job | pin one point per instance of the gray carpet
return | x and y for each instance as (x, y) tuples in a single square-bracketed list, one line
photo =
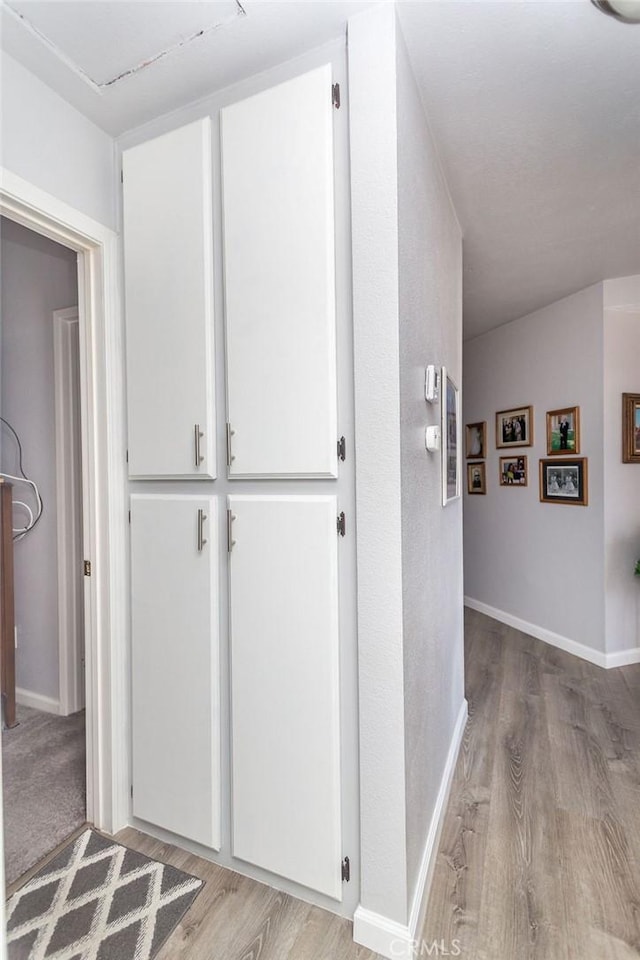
[(43, 762), (98, 899)]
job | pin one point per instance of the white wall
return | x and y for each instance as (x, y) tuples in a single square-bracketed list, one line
[(407, 276), (46, 141), (622, 480), (38, 277), (376, 318), (430, 258), (542, 563)]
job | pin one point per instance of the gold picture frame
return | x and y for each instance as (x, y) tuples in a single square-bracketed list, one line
[(631, 427), (563, 432)]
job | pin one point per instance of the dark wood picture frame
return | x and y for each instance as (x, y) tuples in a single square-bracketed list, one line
[(518, 476), (565, 421), (520, 421), (474, 431), (631, 427), (476, 477), (565, 481)]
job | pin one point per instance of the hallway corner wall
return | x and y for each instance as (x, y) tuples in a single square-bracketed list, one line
[(621, 480), (540, 564)]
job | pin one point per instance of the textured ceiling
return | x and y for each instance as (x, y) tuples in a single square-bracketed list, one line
[(535, 107), (105, 49), (536, 111), (161, 54)]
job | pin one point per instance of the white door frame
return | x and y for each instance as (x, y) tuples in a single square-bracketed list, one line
[(66, 378), (104, 485)]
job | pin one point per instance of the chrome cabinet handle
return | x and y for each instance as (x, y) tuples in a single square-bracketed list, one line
[(197, 437), (230, 541), (201, 540)]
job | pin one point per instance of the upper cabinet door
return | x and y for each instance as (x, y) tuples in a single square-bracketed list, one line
[(169, 304), (278, 207)]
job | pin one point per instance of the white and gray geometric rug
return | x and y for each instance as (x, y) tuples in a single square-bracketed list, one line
[(97, 900)]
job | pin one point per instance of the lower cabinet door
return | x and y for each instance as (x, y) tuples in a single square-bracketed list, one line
[(286, 791), (175, 670)]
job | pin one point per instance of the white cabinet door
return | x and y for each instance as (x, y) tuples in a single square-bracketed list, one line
[(277, 160), (285, 688), (175, 669), (169, 304)]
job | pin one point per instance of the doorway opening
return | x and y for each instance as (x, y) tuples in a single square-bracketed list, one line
[(44, 737)]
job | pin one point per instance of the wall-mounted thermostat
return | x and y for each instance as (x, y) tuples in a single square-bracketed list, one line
[(431, 384), (432, 439)]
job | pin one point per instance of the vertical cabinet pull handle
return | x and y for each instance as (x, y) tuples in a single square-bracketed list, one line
[(230, 456), (197, 437), (230, 541), (201, 540)]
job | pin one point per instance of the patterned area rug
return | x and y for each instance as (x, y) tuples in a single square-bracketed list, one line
[(97, 900)]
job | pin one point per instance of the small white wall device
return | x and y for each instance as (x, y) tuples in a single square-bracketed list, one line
[(432, 439), (431, 384)]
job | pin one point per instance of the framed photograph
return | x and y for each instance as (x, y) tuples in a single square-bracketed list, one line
[(450, 439), (631, 427), (514, 471), (514, 428), (563, 432), (476, 478), (564, 481), (476, 441)]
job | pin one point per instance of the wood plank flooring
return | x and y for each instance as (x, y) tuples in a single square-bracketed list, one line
[(540, 851)]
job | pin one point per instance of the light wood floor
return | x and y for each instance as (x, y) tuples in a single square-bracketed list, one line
[(540, 852)]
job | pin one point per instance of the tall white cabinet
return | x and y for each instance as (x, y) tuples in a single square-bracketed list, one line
[(168, 251), (267, 691), (279, 270), (175, 664)]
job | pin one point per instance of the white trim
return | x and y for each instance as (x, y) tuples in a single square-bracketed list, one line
[(37, 701), (601, 659), (69, 523), (621, 658), (396, 940), (104, 485)]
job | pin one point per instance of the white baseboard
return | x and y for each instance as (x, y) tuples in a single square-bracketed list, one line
[(601, 659), (382, 935), (37, 701)]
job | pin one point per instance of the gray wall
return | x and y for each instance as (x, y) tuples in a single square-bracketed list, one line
[(622, 480), (430, 258), (38, 277), (407, 312), (542, 563), (47, 142)]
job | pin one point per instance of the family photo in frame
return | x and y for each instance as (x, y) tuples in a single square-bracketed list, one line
[(476, 441), (514, 472), (563, 431), (514, 428), (564, 481), (476, 478)]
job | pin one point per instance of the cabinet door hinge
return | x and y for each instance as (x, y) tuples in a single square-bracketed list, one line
[(335, 95), (342, 449), (126, 456), (346, 870), (132, 791), (87, 568), (342, 524), (129, 516), (122, 176)]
